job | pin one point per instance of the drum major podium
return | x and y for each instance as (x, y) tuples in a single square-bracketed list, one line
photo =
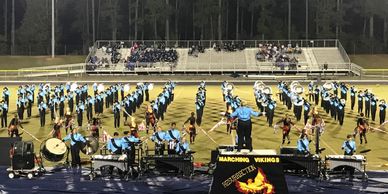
[(259, 171)]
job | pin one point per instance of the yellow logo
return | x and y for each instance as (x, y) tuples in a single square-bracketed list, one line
[(259, 185)]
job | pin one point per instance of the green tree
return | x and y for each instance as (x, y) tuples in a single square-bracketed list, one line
[(34, 30)]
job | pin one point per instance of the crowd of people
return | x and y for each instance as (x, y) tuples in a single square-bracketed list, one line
[(229, 46), (195, 50), (142, 54), (280, 55)]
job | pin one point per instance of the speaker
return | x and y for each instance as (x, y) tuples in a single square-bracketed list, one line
[(6, 143), (288, 150), (23, 157)]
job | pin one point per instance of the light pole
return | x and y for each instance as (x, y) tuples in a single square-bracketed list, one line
[(307, 19), (52, 30), (289, 20)]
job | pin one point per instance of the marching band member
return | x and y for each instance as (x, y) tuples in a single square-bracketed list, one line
[(367, 98), (316, 94), (70, 100), (128, 146), (182, 147), (199, 106), (373, 106), (349, 147), (306, 111), (13, 129), (360, 97), (94, 128), (317, 123), (95, 88), (326, 101), (68, 118), (80, 113), (77, 92), (42, 107), (244, 125), (192, 131), (224, 89), (344, 91), (352, 97), (56, 131), (311, 91), (362, 126), (172, 136), (270, 110), (4, 113), (341, 111), (159, 137), (335, 88), (382, 107), (230, 121), (127, 108), (116, 111), (29, 101), (108, 97), (287, 123), (146, 91), (5, 95), (76, 139), (52, 104), (89, 107), (303, 144), (333, 106), (161, 107), (62, 105), (114, 145), (20, 107), (298, 103), (150, 119)]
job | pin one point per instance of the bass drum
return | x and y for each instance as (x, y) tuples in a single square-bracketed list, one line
[(53, 149), (91, 146)]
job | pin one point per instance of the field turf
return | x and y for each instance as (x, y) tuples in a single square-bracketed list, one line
[(262, 135)]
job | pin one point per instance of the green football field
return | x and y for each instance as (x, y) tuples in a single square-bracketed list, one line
[(262, 135)]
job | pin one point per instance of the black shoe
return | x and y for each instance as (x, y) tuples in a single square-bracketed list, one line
[(288, 142)]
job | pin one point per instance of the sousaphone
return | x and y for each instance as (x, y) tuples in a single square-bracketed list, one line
[(229, 87), (328, 86), (267, 90)]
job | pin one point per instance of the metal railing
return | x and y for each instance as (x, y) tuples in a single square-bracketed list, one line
[(209, 43)]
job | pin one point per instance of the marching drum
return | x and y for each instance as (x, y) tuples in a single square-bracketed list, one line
[(53, 149), (91, 146)]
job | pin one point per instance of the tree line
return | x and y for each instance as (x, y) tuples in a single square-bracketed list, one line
[(361, 25)]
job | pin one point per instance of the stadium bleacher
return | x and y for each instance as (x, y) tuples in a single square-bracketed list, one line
[(210, 59)]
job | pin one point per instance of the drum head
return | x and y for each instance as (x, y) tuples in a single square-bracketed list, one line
[(55, 146), (91, 147)]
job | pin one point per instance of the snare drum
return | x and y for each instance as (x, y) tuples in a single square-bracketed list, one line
[(53, 149)]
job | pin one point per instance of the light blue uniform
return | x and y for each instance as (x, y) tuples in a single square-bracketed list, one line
[(77, 137), (112, 148), (182, 148), (244, 113), (350, 147), (303, 145), (127, 140)]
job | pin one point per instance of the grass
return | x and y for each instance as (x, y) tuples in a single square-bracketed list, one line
[(371, 61), (17, 62), (262, 135)]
